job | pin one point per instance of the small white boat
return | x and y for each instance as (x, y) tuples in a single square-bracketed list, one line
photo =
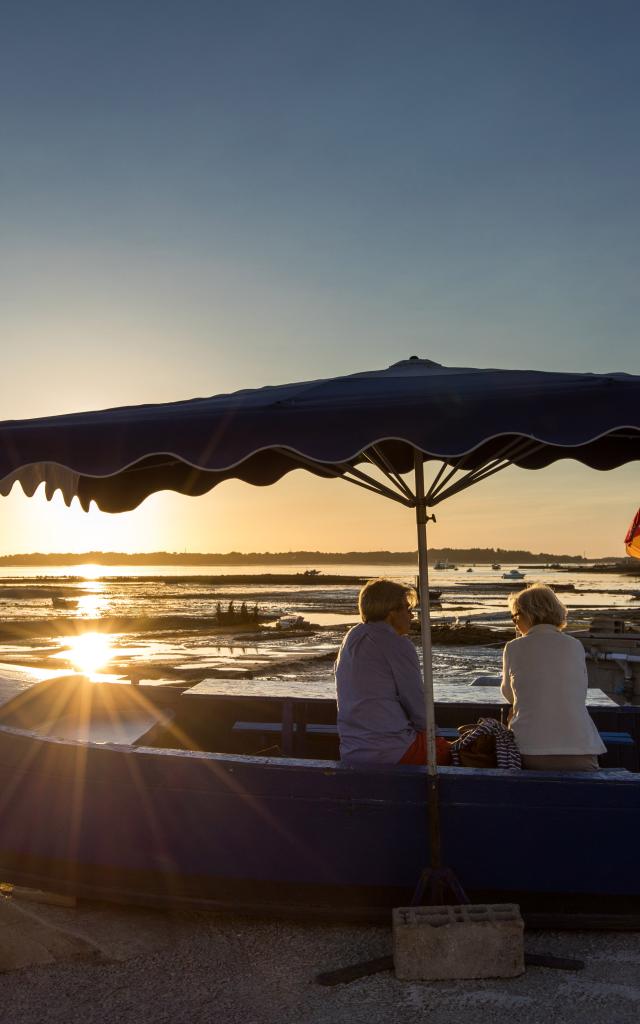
[(292, 622), (513, 574), (64, 602)]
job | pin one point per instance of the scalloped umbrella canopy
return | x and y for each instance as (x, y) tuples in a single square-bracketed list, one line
[(462, 416)]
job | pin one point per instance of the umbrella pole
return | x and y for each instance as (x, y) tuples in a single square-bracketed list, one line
[(436, 884), (425, 618), (427, 665)]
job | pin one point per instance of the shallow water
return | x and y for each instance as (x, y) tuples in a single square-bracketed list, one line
[(186, 647)]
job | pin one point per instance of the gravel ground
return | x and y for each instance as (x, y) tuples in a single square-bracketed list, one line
[(203, 967)]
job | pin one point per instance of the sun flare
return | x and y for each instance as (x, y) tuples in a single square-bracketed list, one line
[(91, 571), (90, 652)]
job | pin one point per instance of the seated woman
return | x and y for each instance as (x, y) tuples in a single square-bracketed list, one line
[(381, 712), (544, 677)]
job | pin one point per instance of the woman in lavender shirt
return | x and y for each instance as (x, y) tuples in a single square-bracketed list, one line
[(381, 713)]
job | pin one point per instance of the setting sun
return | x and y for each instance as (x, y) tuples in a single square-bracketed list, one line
[(90, 652), (90, 571)]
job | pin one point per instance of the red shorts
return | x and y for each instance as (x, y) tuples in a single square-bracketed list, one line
[(417, 752)]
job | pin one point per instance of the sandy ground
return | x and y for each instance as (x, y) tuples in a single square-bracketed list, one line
[(204, 967)]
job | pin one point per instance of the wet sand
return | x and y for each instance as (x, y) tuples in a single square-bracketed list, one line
[(186, 649), (166, 628), (193, 968)]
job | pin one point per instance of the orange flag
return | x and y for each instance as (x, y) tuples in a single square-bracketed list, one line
[(632, 540)]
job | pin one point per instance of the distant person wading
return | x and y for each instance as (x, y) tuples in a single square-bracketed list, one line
[(381, 712)]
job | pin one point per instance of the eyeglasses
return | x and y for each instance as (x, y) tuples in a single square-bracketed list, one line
[(515, 616)]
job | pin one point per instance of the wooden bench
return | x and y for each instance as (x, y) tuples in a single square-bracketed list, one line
[(289, 707), (619, 744), (621, 739), (613, 738)]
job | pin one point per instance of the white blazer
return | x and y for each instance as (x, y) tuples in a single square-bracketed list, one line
[(544, 676)]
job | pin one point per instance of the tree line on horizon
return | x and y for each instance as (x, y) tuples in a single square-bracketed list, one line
[(478, 555)]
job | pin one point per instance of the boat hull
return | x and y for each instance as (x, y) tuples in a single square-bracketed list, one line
[(177, 827)]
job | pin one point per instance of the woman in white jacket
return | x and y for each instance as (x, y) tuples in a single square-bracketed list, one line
[(544, 678)]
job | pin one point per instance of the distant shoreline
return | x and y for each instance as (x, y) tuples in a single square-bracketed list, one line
[(479, 556)]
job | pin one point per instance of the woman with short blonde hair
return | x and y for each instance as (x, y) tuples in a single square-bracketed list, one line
[(540, 605), (544, 678)]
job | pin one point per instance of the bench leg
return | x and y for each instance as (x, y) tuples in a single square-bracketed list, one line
[(287, 728)]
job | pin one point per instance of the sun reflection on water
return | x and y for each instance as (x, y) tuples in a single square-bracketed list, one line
[(89, 652), (90, 605)]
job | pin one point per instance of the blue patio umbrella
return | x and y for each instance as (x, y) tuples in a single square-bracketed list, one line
[(371, 429), (470, 419)]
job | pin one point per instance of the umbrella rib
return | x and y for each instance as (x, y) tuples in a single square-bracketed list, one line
[(380, 460), (437, 484), (477, 475), (503, 459), (362, 480), (344, 471), (468, 481), (433, 487)]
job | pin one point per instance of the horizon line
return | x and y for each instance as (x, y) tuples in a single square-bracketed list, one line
[(183, 557)]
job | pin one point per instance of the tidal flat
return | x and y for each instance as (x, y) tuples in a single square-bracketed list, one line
[(169, 626)]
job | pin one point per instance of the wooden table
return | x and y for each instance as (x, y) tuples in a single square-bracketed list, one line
[(465, 693), (290, 700)]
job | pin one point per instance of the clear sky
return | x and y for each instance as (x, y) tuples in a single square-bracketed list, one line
[(201, 196)]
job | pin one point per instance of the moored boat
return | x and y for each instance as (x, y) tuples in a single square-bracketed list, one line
[(292, 622), (64, 602), (221, 797)]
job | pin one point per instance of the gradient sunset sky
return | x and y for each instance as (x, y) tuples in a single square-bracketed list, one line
[(200, 197)]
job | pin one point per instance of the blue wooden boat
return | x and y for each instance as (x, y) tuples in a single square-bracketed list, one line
[(167, 795)]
